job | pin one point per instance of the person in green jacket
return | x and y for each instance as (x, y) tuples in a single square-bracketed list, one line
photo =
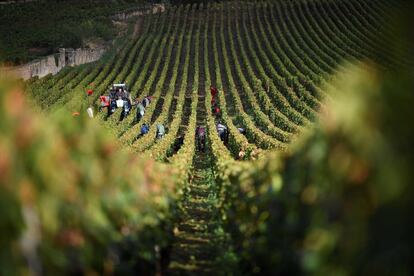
[(140, 112), (160, 131)]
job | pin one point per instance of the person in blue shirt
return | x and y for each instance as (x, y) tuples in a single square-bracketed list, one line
[(144, 129), (223, 133)]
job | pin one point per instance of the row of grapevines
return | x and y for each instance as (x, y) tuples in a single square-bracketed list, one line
[(258, 84), (148, 36), (205, 106), (237, 142), (129, 136), (309, 103), (224, 163), (263, 140), (59, 91), (304, 33), (146, 71), (318, 34), (141, 70), (316, 46), (283, 64), (302, 85), (149, 138), (282, 101), (114, 119), (302, 63), (310, 58), (339, 40), (259, 117), (374, 37), (182, 161), (163, 147), (353, 31)]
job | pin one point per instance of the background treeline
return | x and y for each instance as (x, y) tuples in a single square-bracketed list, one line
[(204, 2), (33, 29)]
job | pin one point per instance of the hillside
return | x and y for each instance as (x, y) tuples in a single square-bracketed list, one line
[(273, 63), (32, 29), (300, 191)]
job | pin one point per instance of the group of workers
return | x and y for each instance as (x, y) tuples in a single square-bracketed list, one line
[(159, 133), (220, 127), (201, 135), (119, 97)]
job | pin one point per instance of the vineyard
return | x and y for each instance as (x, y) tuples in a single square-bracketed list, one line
[(253, 205)]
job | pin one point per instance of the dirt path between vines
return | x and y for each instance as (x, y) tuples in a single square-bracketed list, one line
[(199, 239)]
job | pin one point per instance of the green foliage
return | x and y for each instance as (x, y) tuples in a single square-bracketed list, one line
[(328, 207), (315, 200), (71, 195)]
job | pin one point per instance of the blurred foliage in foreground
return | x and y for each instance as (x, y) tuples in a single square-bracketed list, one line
[(341, 203), (71, 201)]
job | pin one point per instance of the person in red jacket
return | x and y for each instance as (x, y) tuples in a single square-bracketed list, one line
[(105, 101), (213, 91), (217, 111)]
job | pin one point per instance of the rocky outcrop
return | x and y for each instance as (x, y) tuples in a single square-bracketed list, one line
[(52, 64), (127, 14), (16, 2)]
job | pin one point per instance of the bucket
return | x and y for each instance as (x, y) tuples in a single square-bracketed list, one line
[(90, 112), (119, 103)]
